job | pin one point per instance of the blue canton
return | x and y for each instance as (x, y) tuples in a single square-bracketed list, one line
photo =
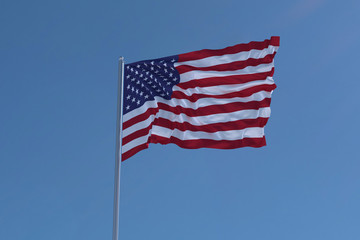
[(146, 79)]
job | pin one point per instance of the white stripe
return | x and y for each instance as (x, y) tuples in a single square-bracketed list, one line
[(215, 118), (228, 58), (134, 143), (202, 102), (197, 74), (141, 110), (223, 89), (201, 120), (255, 132), (140, 125)]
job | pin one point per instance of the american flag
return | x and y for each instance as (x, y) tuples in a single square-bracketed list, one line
[(203, 99)]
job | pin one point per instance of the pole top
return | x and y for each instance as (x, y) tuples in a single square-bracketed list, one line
[(121, 58)]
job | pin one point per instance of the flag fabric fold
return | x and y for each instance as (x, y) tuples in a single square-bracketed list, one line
[(202, 99)]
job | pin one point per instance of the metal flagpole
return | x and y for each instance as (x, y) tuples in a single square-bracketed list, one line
[(118, 149)]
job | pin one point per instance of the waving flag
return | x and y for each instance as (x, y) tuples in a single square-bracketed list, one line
[(203, 99)]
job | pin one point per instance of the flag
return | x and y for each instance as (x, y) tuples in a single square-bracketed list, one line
[(202, 99)]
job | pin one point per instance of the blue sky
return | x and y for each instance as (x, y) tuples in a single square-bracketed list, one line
[(58, 78)]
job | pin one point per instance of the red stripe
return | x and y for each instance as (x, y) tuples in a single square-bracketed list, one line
[(195, 97), (208, 143), (243, 93), (204, 111), (229, 66), (199, 143), (212, 128), (233, 79), (274, 41), (140, 117), (139, 133), (209, 128), (215, 109), (133, 151)]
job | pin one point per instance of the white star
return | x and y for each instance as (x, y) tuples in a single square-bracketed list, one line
[(127, 107), (141, 93), (128, 87), (133, 100), (138, 102), (146, 96), (128, 97)]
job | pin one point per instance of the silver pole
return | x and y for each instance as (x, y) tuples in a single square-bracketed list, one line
[(118, 150)]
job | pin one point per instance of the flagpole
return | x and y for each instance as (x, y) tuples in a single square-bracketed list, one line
[(115, 235)]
